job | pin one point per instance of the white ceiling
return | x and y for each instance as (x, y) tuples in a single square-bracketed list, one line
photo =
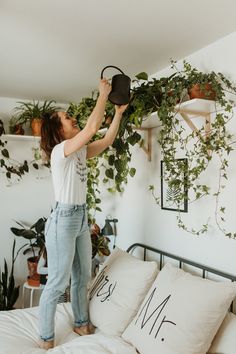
[(56, 49)]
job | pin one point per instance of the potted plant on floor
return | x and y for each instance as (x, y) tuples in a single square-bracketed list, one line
[(35, 243), (9, 292)]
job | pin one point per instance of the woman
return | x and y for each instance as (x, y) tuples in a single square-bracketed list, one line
[(67, 233)]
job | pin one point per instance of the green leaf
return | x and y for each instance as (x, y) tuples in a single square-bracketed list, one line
[(109, 173), (132, 172), (36, 166), (142, 76), (5, 153), (111, 160)]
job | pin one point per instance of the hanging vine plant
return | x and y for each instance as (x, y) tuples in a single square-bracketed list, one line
[(115, 160), (10, 166), (199, 146)]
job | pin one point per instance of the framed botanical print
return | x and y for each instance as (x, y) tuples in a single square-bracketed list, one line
[(174, 191)]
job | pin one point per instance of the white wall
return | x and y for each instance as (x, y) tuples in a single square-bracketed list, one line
[(25, 201), (140, 219)]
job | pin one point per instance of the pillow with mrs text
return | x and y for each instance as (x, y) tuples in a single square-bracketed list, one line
[(118, 290)]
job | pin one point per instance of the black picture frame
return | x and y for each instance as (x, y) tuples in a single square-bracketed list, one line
[(167, 202)]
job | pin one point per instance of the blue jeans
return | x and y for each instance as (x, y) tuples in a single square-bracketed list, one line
[(69, 253)]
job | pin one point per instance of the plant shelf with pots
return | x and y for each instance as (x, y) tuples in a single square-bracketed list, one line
[(188, 110)]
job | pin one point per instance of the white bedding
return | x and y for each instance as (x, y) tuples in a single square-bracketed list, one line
[(19, 335)]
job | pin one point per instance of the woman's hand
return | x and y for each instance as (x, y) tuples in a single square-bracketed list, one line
[(121, 109), (104, 87)]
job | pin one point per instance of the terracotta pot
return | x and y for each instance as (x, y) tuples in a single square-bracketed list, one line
[(196, 92), (36, 124), (170, 93), (32, 267), (18, 129), (33, 282)]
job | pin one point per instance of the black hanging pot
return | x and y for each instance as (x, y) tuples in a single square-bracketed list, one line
[(120, 87)]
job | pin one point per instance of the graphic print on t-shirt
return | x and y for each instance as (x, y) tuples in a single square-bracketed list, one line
[(81, 170)]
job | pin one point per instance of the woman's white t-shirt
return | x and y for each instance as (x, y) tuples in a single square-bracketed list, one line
[(69, 175)]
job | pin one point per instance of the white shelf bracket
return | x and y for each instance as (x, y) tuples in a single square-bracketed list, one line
[(206, 115)]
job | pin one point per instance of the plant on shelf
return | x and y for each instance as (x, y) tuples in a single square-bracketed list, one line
[(9, 292), (15, 127), (199, 146), (33, 112), (35, 244)]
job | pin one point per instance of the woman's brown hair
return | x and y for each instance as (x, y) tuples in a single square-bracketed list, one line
[(50, 133)]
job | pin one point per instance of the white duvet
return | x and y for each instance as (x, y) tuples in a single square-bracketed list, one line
[(19, 335)]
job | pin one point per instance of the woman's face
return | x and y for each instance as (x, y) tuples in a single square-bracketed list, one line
[(69, 125)]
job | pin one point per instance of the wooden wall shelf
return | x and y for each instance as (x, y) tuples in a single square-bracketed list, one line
[(19, 137), (188, 110)]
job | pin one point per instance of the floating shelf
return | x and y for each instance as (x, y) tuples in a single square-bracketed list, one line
[(19, 137), (188, 110), (197, 106), (150, 122)]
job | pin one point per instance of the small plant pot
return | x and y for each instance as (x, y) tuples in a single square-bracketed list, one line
[(33, 282), (196, 92), (17, 130), (32, 267), (36, 124)]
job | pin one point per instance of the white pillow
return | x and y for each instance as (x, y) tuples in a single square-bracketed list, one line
[(118, 290), (225, 339), (180, 314)]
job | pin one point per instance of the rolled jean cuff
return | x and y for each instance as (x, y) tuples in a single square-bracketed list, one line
[(81, 323), (47, 339)]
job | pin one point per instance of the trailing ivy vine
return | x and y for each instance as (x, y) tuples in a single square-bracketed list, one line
[(200, 147)]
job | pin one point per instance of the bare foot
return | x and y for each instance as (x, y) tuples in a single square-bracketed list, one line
[(46, 345), (84, 330)]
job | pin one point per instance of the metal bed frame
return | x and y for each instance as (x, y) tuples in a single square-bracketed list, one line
[(205, 270)]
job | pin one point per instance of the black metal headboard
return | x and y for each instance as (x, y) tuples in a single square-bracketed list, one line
[(205, 270), (181, 261)]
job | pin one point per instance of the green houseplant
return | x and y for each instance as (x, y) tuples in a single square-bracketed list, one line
[(200, 147), (9, 165), (35, 243), (9, 292), (100, 243), (33, 112), (115, 160)]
